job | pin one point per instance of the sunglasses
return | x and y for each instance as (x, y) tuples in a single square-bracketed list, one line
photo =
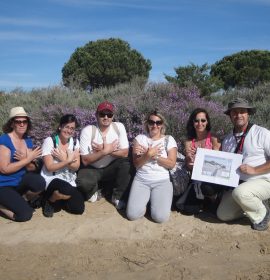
[(200, 120), (102, 115), (158, 123), (19, 122)]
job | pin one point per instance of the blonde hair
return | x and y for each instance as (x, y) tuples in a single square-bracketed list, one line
[(157, 114)]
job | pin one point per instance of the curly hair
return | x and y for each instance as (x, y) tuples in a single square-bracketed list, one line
[(191, 132), (8, 126)]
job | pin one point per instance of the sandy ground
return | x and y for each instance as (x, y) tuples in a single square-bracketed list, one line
[(103, 244)]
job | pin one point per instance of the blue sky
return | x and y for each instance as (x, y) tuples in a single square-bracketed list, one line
[(38, 37)]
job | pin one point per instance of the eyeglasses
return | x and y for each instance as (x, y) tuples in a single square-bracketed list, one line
[(200, 120), (152, 123), (103, 114), (72, 129), (19, 122)]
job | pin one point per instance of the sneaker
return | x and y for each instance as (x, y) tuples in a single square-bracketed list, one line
[(94, 197), (263, 225), (119, 204), (48, 209)]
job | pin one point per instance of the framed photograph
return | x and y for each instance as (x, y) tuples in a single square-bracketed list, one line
[(217, 167)]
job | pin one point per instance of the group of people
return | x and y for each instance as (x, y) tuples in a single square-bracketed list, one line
[(78, 170)]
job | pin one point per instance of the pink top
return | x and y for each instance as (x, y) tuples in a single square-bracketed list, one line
[(208, 143)]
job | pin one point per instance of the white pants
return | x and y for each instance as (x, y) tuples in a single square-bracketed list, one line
[(246, 198), (159, 193)]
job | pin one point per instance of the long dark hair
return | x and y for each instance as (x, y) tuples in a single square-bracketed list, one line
[(8, 126), (191, 132)]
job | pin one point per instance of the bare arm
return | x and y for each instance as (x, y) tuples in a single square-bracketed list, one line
[(170, 161), (216, 143), (257, 170), (7, 167), (121, 153), (68, 159), (190, 154), (142, 155), (106, 149)]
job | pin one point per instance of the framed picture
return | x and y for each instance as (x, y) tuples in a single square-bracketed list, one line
[(217, 167)]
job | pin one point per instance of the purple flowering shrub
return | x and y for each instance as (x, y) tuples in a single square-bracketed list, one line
[(45, 122), (132, 106), (176, 104)]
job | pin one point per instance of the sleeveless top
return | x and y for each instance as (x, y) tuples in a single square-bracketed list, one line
[(12, 179), (208, 143)]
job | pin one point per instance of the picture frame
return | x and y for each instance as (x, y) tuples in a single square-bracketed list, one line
[(217, 167)]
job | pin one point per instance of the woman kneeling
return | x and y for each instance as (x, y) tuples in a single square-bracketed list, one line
[(61, 161), (153, 154)]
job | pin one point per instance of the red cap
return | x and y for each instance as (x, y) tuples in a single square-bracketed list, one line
[(105, 106)]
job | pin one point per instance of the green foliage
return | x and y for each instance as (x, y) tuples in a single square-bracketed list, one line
[(104, 63), (243, 69), (194, 75), (133, 101), (259, 97)]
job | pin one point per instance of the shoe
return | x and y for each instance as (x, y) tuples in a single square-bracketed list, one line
[(35, 202), (119, 204), (94, 197), (48, 209), (263, 225)]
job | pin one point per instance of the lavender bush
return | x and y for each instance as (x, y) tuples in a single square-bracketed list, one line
[(45, 122), (133, 102)]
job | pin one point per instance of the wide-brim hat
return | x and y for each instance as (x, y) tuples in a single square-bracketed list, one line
[(105, 106), (17, 112), (240, 103)]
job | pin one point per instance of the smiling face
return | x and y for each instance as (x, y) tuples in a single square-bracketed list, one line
[(154, 124), (67, 130), (200, 122), (20, 125), (104, 119), (239, 118)]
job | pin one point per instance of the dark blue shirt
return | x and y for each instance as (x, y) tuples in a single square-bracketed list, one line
[(12, 179)]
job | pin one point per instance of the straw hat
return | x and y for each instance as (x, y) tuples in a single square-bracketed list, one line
[(17, 112)]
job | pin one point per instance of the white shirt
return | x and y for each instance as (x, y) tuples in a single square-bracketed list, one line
[(151, 170), (256, 149), (86, 145), (64, 173)]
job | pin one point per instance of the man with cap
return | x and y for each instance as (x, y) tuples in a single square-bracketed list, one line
[(253, 141), (104, 154)]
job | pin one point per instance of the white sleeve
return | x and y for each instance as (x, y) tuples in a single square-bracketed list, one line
[(47, 146), (85, 140), (171, 143), (77, 146), (142, 140), (123, 140), (72, 146)]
